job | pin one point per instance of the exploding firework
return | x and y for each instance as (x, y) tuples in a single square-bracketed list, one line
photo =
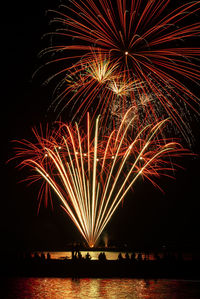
[(88, 83), (91, 173), (140, 41)]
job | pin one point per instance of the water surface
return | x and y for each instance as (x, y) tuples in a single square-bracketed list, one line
[(61, 288)]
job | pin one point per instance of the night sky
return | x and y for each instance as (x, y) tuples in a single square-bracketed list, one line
[(148, 217)]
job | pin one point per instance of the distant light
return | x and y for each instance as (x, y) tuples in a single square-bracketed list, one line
[(85, 154), (59, 147), (126, 53), (46, 155), (112, 157), (141, 158), (76, 153)]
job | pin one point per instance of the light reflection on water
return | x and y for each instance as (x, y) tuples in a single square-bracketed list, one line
[(61, 288)]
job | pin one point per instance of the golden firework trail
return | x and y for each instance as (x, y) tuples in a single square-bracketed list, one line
[(90, 173)]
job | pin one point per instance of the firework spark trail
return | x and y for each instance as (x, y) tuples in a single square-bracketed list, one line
[(91, 173), (139, 39)]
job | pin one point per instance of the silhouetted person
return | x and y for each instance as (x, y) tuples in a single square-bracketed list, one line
[(127, 256), (75, 251), (88, 257), (48, 256), (146, 256), (100, 256), (73, 256), (103, 256), (79, 255), (42, 256), (120, 258)]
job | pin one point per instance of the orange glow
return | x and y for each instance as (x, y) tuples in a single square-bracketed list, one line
[(91, 173)]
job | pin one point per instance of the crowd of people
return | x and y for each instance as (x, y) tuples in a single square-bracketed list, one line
[(76, 254)]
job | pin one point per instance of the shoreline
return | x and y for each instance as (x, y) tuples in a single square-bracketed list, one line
[(160, 269)]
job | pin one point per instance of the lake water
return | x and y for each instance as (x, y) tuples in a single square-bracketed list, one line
[(61, 288)]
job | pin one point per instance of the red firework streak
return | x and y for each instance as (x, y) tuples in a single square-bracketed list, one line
[(90, 172), (128, 53)]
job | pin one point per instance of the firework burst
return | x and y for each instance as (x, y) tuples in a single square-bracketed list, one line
[(141, 40), (91, 173)]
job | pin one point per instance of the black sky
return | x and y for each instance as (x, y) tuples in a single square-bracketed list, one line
[(147, 218)]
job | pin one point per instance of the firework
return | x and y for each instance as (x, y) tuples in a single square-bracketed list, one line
[(141, 40), (93, 81), (91, 172)]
